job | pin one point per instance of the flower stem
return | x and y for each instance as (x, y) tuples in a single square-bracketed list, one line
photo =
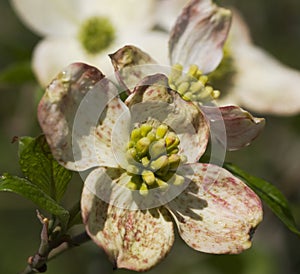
[(51, 248)]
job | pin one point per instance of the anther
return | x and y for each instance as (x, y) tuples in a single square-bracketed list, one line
[(142, 146)]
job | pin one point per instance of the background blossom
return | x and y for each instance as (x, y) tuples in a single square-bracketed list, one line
[(59, 24), (249, 76)]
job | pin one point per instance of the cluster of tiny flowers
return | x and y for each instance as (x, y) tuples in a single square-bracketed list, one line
[(152, 154), (192, 86)]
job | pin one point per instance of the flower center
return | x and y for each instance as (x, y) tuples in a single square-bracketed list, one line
[(96, 34), (223, 75), (192, 86), (152, 154)]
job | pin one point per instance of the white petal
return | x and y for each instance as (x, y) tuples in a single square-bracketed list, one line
[(152, 42), (199, 35), (135, 240), (131, 66), (192, 129), (51, 55), (109, 185), (151, 88), (96, 122), (167, 12), (217, 212), (233, 125), (77, 114), (125, 15), (49, 17), (239, 32), (263, 84)]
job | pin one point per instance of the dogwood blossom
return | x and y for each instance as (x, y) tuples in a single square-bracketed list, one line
[(141, 158), (144, 177), (86, 31), (248, 75)]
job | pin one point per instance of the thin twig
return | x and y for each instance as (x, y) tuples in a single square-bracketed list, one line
[(37, 262), (72, 242), (49, 249)]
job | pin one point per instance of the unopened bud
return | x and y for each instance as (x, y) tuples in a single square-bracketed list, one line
[(176, 72), (161, 131), (174, 161), (196, 87), (131, 155), (178, 180), (172, 141), (148, 177), (161, 184), (133, 169), (145, 129), (144, 190), (151, 136), (142, 146), (145, 161), (183, 88), (135, 134), (203, 79), (159, 163), (193, 71), (157, 149), (131, 185)]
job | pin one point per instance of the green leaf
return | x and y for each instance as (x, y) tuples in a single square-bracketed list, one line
[(32, 192), (275, 200), (39, 166), (17, 73)]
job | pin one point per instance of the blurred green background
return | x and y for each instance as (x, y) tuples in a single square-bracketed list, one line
[(275, 156)]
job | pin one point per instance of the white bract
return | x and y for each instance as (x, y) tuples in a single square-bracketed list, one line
[(86, 31)]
